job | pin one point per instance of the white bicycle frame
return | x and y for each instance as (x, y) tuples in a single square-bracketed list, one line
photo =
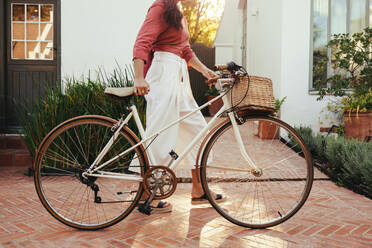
[(223, 85)]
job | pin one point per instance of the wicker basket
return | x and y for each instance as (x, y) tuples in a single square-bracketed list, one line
[(259, 97)]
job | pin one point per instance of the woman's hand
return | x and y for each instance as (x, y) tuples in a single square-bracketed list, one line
[(208, 73), (141, 87), (200, 67)]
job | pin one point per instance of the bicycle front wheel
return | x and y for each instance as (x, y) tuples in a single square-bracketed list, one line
[(93, 202), (274, 193)]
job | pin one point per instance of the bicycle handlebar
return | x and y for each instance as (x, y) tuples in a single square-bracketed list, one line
[(232, 67), (220, 67), (212, 80)]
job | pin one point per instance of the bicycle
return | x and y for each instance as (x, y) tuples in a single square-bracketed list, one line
[(85, 179)]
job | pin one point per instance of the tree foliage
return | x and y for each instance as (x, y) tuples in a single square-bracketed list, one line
[(203, 18)]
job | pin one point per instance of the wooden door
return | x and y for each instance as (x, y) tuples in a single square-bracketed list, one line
[(32, 56)]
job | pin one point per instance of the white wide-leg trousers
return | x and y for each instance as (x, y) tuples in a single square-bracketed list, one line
[(170, 98)]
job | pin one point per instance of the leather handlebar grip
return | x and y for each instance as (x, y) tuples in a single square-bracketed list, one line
[(220, 67)]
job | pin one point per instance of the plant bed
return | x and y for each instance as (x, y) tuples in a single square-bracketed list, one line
[(80, 97), (348, 162), (351, 81)]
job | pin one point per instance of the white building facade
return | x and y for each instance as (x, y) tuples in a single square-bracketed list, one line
[(97, 33), (275, 39)]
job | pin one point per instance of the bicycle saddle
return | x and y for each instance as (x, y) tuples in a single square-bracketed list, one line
[(120, 92)]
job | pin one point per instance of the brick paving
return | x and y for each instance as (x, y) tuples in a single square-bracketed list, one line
[(332, 217)]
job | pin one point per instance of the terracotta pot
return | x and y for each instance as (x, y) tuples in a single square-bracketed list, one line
[(267, 130), (214, 107), (358, 125)]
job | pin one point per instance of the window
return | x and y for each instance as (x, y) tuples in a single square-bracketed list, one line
[(332, 17), (32, 32)]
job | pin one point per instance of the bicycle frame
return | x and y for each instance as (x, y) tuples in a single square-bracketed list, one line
[(221, 85)]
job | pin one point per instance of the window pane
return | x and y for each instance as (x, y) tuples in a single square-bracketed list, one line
[(46, 31), (32, 12), (46, 13), (33, 50), (320, 38), (338, 18), (357, 15), (18, 50), (18, 31), (18, 12), (320, 23), (32, 31), (46, 50), (370, 14)]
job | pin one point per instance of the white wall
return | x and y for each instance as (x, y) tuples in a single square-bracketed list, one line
[(229, 34), (96, 33), (300, 107), (264, 40), (278, 41)]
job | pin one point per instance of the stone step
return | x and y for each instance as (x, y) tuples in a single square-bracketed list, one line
[(15, 158), (12, 142)]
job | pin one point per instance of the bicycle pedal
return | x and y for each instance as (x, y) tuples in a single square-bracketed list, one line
[(145, 209)]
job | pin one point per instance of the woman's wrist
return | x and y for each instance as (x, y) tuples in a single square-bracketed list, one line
[(138, 65), (197, 64)]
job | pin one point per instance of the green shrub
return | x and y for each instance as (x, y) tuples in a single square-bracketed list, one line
[(351, 163), (80, 97), (314, 143), (347, 162)]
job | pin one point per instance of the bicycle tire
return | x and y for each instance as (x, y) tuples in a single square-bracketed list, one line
[(245, 203), (59, 163)]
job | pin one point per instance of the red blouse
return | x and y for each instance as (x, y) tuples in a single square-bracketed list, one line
[(156, 35)]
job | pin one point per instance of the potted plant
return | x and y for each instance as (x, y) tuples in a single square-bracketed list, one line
[(211, 93), (352, 81), (268, 130)]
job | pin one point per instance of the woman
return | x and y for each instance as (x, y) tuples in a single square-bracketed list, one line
[(160, 54)]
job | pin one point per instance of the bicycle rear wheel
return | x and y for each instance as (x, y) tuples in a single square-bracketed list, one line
[(94, 202), (257, 201)]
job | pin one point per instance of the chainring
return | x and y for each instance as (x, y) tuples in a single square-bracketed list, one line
[(162, 177)]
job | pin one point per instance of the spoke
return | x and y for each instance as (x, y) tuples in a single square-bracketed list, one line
[(258, 203), (280, 161), (88, 207), (69, 197), (103, 141), (82, 149), (58, 169), (95, 208), (275, 199), (53, 154), (61, 160), (264, 199), (81, 188), (77, 209), (68, 134), (89, 138), (104, 187), (85, 205), (62, 151), (68, 149)]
